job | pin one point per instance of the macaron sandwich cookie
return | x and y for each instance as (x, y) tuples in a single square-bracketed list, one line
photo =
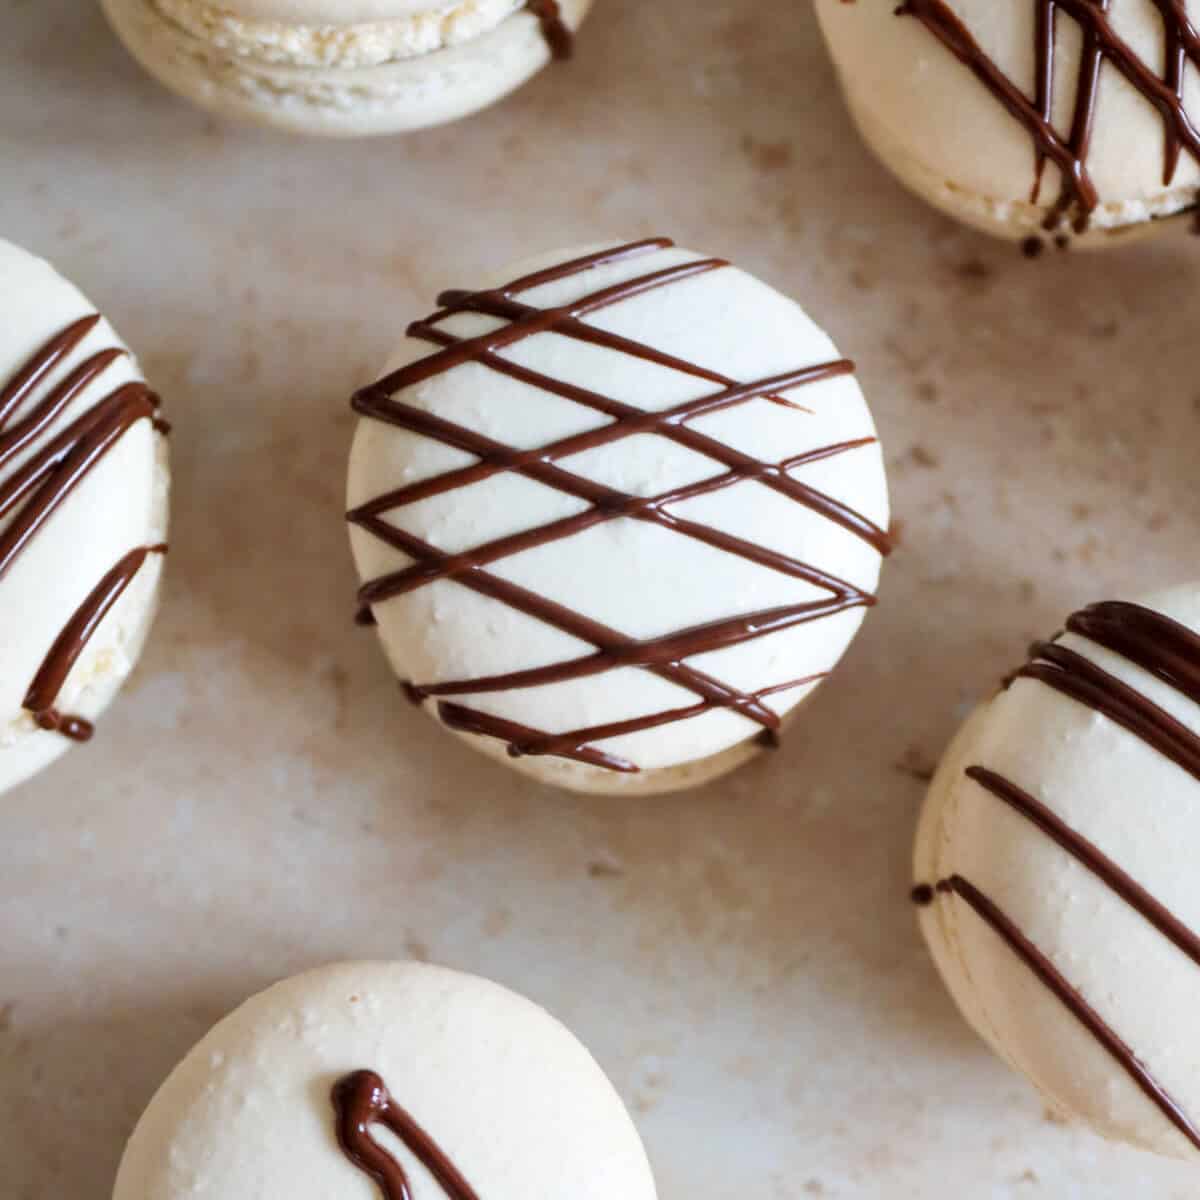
[(386, 1081), (1071, 118), (83, 514), (617, 511), (1056, 870), (345, 68)]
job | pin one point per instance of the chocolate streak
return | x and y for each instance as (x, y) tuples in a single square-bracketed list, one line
[(33, 491), (361, 1100), (1170, 652), (554, 28), (1079, 197), (665, 656), (1073, 1001)]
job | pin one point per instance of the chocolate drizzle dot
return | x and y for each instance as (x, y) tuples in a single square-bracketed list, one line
[(1171, 653), (36, 480), (361, 1100), (1079, 197), (611, 650)]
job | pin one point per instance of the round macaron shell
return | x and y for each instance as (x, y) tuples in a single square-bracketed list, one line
[(637, 577), (513, 1101)]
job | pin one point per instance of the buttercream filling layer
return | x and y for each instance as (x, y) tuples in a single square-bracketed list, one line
[(363, 45)]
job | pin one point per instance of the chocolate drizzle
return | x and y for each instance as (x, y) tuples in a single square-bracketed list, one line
[(1171, 653), (1073, 1000), (665, 656), (1079, 197), (361, 1100), (31, 492), (554, 27)]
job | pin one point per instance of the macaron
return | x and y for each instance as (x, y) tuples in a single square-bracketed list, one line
[(1073, 119), (617, 511), (386, 1081), (83, 514), (1056, 872), (345, 68)]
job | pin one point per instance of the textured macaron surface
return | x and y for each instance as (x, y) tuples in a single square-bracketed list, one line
[(625, 506), (1056, 867), (441, 1085)]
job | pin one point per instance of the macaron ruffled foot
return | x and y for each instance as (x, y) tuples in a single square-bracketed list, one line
[(345, 68)]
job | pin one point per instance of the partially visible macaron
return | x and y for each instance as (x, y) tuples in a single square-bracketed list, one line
[(1056, 870), (1077, 119), (83, 514), (345, 68), (617, 512), (386, 1081)]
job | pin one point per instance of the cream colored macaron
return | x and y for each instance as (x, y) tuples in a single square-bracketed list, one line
[(1020, 124), (345, 68), (83, 514), (386, 1081), (1056, 870), (617, 511)]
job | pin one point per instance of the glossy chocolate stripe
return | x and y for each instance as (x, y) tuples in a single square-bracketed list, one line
[(1151, 640), (361, 1100), (989, 912), (33, 492), (672, 427), (1092, 857), (523, 741), (554, 28), (73, 640), (568, 621), (1081, 679)]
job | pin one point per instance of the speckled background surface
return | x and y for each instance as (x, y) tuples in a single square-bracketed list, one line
[(742, 959)]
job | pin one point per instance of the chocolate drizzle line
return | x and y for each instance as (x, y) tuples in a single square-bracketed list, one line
[(1073, 1001), (554, 28), (1079, 197), (361, 1100), (32, 492), (612, 650), (1170, 652)]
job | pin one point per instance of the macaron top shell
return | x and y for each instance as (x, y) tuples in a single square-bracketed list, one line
[(115, 508), (916, 93), (508, 1096), (745, 514)]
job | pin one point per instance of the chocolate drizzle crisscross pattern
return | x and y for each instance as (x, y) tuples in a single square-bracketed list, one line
[(665, 656), (1079, 197), (361, 1100), (31, 492), (1170, 652)]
